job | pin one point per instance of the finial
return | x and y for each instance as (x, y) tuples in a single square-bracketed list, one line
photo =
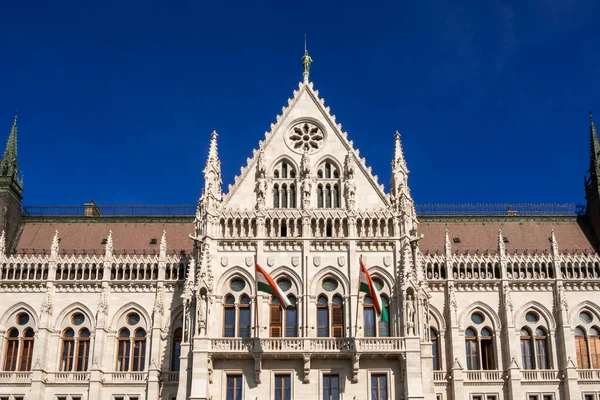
[(17, 116), (306, 62), (54, 245), (591, 117), (108, 248), (163, 244), (501, 246)]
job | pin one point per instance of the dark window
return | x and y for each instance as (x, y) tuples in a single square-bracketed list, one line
[(234, 387), (331, 387), (369, 317), (435, 349), (176, 352), (282, 387), (229, 317), (471, 348), (379, 389), (244, 317), (322, 317)]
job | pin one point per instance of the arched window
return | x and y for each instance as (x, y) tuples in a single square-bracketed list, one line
[(123, 350), (527, 349), (327, 196), (534, 342), (487, 350), (472, 349), (336, 196), (27, 350), (337, 317), (587, 341), (284, 198), (276, 196), (244, 317), (320, 196), (83, 350), (284, 170), (322, 317), (369, 317), (176, 351), (292, 196), (275, 318), (327, 170), (229, 314), (68, 350), (291, 319), (139, 350), (12, 350), (541, 348), (435, 349)]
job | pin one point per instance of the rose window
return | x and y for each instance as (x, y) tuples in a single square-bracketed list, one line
[(305, 137)]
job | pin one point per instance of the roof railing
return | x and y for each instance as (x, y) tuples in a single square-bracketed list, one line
[(189, 210)]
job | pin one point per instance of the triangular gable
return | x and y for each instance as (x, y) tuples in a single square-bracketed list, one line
[(306, 104)]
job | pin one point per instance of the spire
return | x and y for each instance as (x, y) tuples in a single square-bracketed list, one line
[(108, 248), (212, 170), (594, 147), (306, 62), (447, 245), (163, 245), (9, 165), (398, 153), (54, 247), (501, 246), (553, 244), (213, 154)]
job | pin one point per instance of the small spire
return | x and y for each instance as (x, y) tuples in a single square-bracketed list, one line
[(501, 246), (213, 153), (9, 165), (108, 248), (553, 244), (399, 160), (447, 245), (54, 247), (306, 62), (163, 245)]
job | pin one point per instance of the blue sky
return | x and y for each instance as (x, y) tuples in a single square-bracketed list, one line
[(117, 99)]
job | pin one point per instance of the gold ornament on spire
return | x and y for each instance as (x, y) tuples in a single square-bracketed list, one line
[(306, 61)]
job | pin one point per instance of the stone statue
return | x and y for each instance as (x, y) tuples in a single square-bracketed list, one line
[(187, 321), (261, 193), (305, 165), (261, 168), (306, 191), (350, 189), (410, 313), (202, 314)]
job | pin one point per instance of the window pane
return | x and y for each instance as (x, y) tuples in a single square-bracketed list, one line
[(369, 322), (291, 322), (229, 328), (244, 329), (322, 322)]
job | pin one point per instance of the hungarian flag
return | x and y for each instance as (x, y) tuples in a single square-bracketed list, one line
[(266, 284), (367, 286)]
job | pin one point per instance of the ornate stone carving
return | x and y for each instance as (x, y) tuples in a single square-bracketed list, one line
[(295, 261), (387, 261), (261, 182), (317, 260), (103, 302), (306, 364), (355, 367), (410, 315), (305, 137), (202, 314), (249, 261), (46, 307), (159, 307), (270, 261), (257, 368), (341, 261), (224, 261), (350, 182)]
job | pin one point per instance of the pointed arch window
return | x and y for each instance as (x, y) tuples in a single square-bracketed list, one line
[(336, 196), (229, 316), (327, 170), (284, 170), (284, 196), (139, 350), (12, 350), (337, 317), (291, 319), (27, 350), (587, 341), (472, 349), (322, 317), (541, 349), (320, 196), (369, 317), (292, 196), (123, 350), (435, 348), (487, 350), (244, 317), (526, 349), (276, 196), (83, 350), (176, 351), (384, 326), (68, 350), (327, 196), (275, 318)]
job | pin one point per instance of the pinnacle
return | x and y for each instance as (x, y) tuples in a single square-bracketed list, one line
[(9, 163)]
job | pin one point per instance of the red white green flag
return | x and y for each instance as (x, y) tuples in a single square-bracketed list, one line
[(367, 286), (265, 283)]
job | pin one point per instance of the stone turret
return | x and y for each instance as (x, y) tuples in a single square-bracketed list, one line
[(11, 189)]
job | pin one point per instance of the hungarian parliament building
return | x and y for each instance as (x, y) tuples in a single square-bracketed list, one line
[(484, 302)]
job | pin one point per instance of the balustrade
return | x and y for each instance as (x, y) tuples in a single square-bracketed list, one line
[(484, 376), (72, 377), (541, 375), (170, 376), (588, 375), (125, 377), (440, 376), (15, 377)]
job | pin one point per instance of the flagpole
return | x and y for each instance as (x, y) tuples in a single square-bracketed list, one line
[(357, 296)]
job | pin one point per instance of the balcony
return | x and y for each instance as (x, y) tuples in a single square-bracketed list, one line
[(73, 378), (483, 377), (588, 375), (130, 378), (15, 378), (290, 346), (440, 378), (170, 377), (540, 376)]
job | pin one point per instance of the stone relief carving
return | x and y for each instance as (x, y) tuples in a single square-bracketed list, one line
[(202, 314), (410, 315), (350, 182)]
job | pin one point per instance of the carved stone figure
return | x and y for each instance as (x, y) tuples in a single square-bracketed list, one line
[(202, 314), (305, 165), (306, 191), (261, 193), (410, 314)]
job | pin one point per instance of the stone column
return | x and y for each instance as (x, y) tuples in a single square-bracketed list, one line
[(199, 378), (413, 382)]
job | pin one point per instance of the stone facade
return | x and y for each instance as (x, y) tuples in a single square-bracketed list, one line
[(154, 307)]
